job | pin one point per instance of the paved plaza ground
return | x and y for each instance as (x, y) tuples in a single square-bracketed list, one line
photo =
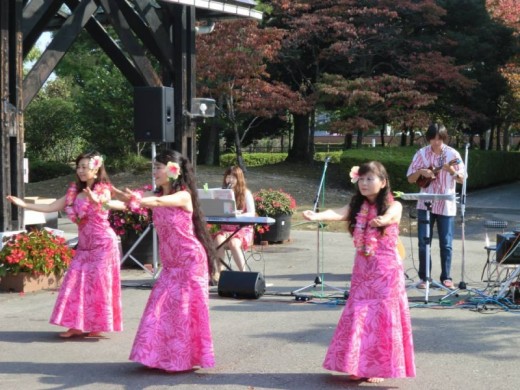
[(277, 342)]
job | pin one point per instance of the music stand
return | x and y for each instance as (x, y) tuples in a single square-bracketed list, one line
[(428, 199), (318, 280)]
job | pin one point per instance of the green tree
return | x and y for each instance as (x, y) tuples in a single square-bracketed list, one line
[(103, 95), (52, 129), (358, 41), (481, 46), (231, 68)]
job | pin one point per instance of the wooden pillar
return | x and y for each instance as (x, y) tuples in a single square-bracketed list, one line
[(184, 79), (11, 115)]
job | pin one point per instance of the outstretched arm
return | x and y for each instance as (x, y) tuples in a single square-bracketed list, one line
[(57, 205), (180, 199), (340, 214), (392, 215)]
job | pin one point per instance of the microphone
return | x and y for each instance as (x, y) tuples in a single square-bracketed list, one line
[(227, 187)]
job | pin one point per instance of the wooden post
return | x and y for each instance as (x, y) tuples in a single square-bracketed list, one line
[(184, 79), (11, 114)]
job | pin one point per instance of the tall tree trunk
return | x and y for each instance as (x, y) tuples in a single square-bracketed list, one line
[(382, 132), (208, 145), (238, 145), (348, 141), (403, 137), (491, 137), (412, 135), (498, 131), (312, 148), (300, 150), (359, 139), (505, 137)]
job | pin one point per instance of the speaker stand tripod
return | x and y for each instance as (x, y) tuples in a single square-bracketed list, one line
[(155, 269), (318, 281), (149, 230)]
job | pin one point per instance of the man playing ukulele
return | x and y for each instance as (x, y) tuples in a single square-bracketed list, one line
[(437, 168)]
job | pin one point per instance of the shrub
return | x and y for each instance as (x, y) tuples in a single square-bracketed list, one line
[(36, 252), (273, 202), (128, 222)]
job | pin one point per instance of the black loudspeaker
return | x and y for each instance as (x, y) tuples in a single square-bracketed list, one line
[(504, 243), (238, 284), (153, 114)]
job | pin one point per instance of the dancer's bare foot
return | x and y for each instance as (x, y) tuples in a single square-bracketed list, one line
[(71, 333), (94, 334), (369, 380)]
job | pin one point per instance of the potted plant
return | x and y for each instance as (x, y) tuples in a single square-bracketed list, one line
[(33, 260), (129, 225), (279, 205)]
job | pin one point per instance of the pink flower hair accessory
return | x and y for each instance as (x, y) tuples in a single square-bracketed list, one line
[(173, 171), (354, 174), (95, 162)]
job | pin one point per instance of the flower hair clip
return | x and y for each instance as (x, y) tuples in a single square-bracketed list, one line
[(173, 171), (354, 174), (95, 162)]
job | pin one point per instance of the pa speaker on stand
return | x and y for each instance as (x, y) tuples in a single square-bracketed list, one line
[(236, 284), (153, 114)]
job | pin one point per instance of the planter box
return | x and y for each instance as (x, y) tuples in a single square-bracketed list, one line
[(280, 231), (24, 282)]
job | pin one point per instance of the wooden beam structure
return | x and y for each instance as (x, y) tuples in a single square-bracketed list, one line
[(147, 31)]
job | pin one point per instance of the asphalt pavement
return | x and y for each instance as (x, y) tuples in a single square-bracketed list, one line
[(277, 341)]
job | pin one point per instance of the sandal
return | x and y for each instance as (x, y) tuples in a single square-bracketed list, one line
[(422, 285), (448, 283)]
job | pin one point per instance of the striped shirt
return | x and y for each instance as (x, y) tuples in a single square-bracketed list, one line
[(444, 182)]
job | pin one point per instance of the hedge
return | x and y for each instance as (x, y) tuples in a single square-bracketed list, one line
[(485, 168)]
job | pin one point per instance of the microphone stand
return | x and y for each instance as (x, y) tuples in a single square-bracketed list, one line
[(428, 199), (318, 280), (462, 284)]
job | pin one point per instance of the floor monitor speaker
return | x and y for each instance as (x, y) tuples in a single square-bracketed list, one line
[(153, 114), (238, 284)]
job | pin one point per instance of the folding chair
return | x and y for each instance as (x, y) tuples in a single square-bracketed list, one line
[(252, 253), (492, 273)]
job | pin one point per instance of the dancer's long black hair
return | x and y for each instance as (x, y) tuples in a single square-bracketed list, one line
[(186, 181), (101, 175), (382, 199)]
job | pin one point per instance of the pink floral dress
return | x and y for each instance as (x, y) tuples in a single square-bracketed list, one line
[(374, 334), (174, 333), (245, 234), (90, 295)]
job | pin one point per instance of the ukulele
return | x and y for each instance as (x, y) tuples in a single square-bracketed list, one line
[(424, 182)]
